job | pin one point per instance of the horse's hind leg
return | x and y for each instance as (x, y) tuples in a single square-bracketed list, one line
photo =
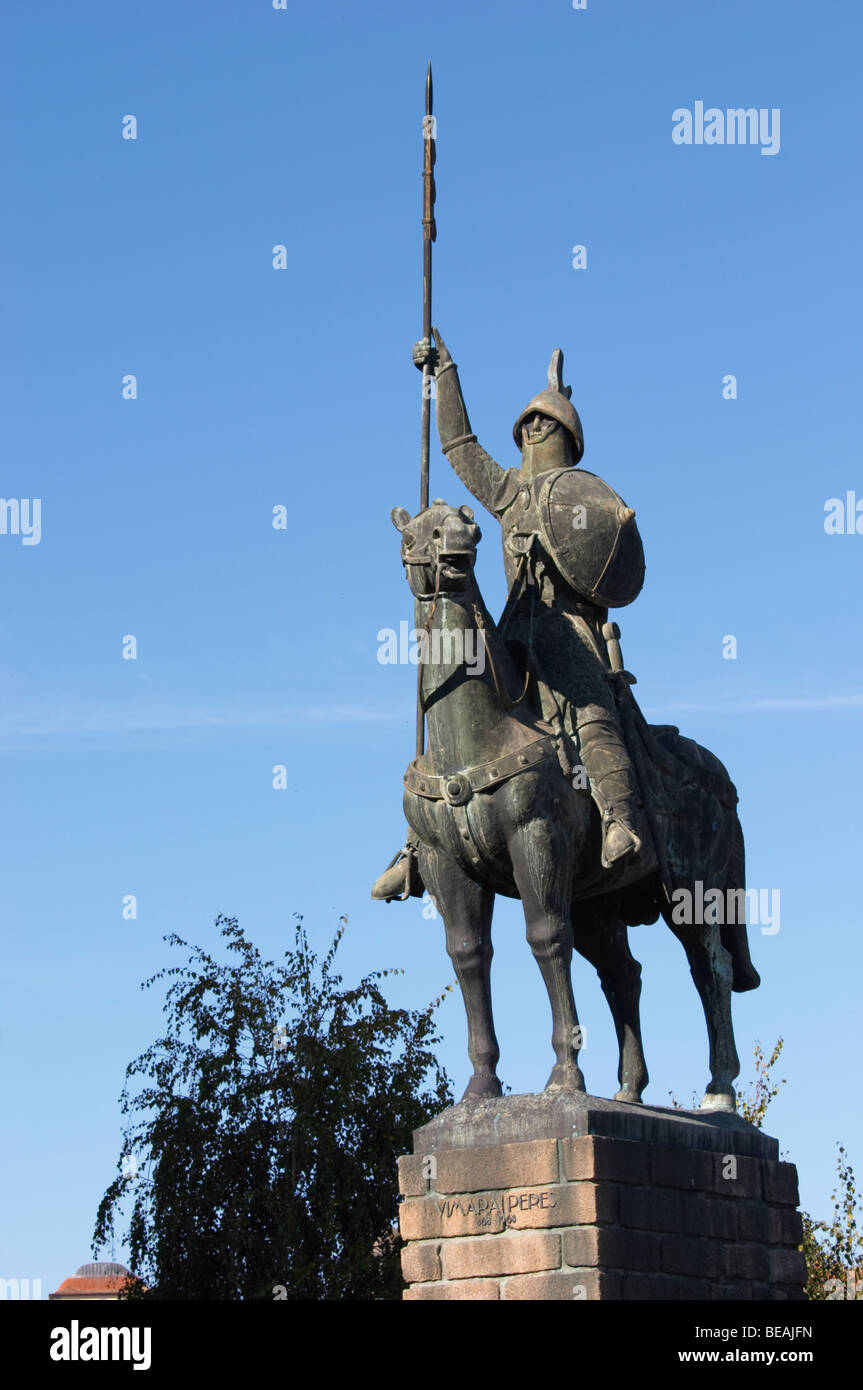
[(710, 964), (466, 908), (606, 946)]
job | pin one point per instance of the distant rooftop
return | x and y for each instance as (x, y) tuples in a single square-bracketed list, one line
[(100, 1280), (102, 1269)]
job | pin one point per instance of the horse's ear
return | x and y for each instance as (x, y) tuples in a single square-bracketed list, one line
[(399, 518), (466, 512)]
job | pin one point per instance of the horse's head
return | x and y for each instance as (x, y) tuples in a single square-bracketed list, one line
[(438, 548)]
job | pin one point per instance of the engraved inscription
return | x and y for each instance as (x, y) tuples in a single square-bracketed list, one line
[(497, 1208)]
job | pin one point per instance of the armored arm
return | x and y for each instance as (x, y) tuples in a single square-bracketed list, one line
[(478, 470)]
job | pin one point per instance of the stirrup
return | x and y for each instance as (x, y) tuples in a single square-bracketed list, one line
[(394, 876)]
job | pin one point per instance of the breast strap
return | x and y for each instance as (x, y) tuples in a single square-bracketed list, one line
[(457, 788)]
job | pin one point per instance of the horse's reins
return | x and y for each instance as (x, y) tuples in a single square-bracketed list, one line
[(505, 699), (423, 781)]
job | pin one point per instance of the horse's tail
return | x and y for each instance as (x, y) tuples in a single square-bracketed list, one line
[(733, 934), (705, 841)]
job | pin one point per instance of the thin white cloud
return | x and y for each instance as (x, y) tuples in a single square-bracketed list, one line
[(67, 725), (83, 723), (771, 702)]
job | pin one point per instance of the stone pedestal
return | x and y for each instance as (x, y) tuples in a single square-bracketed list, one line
[(575, 1197)]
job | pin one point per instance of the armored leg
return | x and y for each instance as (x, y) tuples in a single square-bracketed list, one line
[(608, 766), (569, 663)]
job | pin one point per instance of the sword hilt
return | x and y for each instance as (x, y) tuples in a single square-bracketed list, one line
[(611, 637)]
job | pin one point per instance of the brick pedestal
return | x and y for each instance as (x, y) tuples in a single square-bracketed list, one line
[(574, 1197)]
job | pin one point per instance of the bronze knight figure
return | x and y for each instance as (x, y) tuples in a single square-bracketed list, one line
[(541, 779)]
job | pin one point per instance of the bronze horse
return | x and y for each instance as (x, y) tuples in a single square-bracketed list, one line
[(494, 812)]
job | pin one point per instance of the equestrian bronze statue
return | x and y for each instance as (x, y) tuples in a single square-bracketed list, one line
[(541, 779)]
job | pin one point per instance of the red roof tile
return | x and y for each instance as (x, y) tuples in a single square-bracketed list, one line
[(70, 1287)]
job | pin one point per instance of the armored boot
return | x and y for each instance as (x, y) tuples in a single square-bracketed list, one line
[(401, 878), (612, 781)]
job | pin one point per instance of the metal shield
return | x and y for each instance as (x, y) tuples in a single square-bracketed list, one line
[(591, 535)]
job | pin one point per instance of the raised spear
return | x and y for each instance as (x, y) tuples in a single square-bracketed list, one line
[(429, 234)]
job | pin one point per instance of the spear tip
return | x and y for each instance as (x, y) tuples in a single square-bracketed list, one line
[(429, 90)]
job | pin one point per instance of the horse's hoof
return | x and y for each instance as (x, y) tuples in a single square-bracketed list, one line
[(482, 1085), (565, 1078), (720, 1100), (633, 1097)]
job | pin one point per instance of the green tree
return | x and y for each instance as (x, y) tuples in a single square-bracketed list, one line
[(753, 1106), (265, 1126), (833, 1250)]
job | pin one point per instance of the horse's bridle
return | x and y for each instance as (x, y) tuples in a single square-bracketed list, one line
[(433, 596)]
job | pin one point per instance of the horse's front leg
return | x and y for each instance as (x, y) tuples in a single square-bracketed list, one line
[(542, 856), (466, 908)]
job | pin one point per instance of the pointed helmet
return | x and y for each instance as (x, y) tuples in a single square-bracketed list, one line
[(555, 403)]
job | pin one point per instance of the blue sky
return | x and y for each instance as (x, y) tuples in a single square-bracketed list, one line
[(259, 387)]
